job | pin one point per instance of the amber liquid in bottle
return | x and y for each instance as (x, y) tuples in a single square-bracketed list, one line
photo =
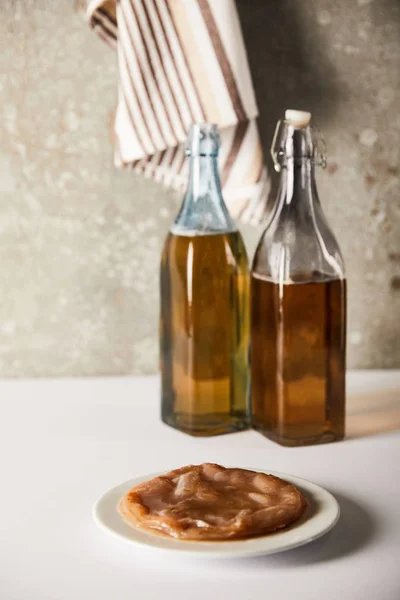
[(204, 333), (298, 359)]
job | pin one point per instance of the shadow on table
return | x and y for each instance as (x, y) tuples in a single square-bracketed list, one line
[(373, 412), (354, 531)]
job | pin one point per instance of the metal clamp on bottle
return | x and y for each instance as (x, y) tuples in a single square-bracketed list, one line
[(295, 137)]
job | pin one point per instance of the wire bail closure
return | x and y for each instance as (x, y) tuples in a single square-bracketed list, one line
[(315, 141)]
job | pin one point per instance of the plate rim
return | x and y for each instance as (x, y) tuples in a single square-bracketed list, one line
[(223, 549)]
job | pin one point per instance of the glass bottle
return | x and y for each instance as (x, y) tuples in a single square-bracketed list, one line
[(204, 325), (298, 289)]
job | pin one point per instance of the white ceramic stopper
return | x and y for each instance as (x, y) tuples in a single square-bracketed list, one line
[(297, 118)]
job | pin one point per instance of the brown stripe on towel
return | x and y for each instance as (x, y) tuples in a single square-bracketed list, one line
[(173, 154), (153, 147), (139, 166), (159, 161), (161, 58), (129, 109), (151, 65), (185, 59), (107, 15), (108, 30), (144, 80), (240, 134), (153, 163), (223, 60), (105, 36), (181, 165), (173, 59)]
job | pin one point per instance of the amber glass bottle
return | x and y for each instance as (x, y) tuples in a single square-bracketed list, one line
[(298, 288), (204, 325)]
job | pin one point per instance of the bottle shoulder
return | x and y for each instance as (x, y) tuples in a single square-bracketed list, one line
[(295, 244)]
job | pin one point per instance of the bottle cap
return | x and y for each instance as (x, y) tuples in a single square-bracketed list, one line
[(297, 118), (203, 140)]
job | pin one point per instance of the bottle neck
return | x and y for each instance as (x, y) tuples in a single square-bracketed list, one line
[(298, 185), (203, 210), (203, 179)]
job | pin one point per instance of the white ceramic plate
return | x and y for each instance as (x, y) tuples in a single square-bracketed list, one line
[(320, 517)]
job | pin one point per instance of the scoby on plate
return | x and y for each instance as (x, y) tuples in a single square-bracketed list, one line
[(210, 502)]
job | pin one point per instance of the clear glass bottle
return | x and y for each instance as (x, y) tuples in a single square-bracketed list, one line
[(204, 325), (298, 289)]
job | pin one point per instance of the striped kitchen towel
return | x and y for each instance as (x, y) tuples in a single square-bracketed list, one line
[(184, 61)]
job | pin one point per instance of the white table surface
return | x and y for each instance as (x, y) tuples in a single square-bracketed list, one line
[(64, 442)]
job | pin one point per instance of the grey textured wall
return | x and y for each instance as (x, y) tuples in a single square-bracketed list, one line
[(80, 243)]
